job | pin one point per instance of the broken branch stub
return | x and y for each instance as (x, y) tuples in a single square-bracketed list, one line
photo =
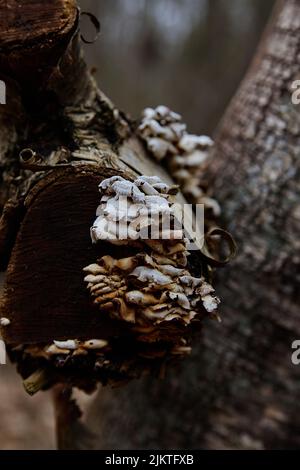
[(83, 307)]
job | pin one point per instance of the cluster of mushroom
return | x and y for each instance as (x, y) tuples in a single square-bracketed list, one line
[(131, 211), (148, 292), (148, 289), (185, 155), (61, 353), (70, 347), (154, 286)]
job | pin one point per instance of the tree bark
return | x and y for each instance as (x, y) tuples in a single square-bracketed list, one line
[(239, 390)]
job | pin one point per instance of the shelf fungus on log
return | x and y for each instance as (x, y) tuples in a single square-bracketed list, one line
[(185, 155), (153, 290), (144, 290), (154, 286)]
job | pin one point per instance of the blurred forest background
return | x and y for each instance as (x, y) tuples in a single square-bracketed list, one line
[(188, 54)]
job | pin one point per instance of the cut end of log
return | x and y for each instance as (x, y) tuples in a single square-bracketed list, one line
[(33, 36), (25, 23), (52, 247)]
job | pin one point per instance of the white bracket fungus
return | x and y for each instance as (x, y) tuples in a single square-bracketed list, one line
[(131, 212), (186, 155), (4, 321), (144, 290), (70, 347), (154, 286)]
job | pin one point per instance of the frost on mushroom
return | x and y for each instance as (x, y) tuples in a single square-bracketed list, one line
[(128, 209), (185, 155)]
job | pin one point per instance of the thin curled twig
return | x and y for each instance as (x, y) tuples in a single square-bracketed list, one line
[(227, 237), (96, 23)]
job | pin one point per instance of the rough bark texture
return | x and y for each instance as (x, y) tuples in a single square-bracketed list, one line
[(240, 389)]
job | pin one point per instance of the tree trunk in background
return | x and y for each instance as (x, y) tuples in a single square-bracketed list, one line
[(239, 389)]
